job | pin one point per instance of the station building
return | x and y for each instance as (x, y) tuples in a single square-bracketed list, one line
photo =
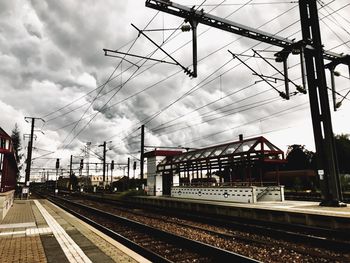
[(8, 173), (227, 172)]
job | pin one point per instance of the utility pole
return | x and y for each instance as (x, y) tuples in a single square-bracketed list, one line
[(104, 161), (112, 168), (30, 147), (128, 167), (70, 172), (320, 110), (142, 150), (57, 167), (88, 145)]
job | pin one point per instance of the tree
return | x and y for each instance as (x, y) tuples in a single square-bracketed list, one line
[(342, 146), (299, 158), (16, 140)]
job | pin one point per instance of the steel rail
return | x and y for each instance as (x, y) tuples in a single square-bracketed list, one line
[(217, 254), (299, 233)]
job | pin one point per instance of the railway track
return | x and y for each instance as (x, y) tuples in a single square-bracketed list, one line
[(322, 237), (309, 247), (152, 243)]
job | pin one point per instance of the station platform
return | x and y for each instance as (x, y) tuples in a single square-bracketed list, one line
[(286, 212), (39, 231)]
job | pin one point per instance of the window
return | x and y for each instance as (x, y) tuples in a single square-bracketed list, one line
[(2, 143)]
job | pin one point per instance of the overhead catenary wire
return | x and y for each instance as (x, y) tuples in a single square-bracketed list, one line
[(116, 92), (269, 116), (81, 97), (219, 49), (60, 146), (169, 38), (247, 107), (257, 3), (241, 37), (293, 23), (194, 88)]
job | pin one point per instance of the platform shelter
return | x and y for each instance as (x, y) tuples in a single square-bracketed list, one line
[(239, 163)]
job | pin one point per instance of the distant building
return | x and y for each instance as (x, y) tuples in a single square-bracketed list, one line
[(8, 163), (98, 179), (8, 173)]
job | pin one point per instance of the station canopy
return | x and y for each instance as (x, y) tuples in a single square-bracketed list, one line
[(238, 153)]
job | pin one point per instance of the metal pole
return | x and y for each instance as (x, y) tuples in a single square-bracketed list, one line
[(70, 172), (111, 175), (302, 67), (56, 179), (319, 104), (104, 163), (128, 168), (334, 96), (142, 150), (194, 24), (29, 154), (107, 172), (286, 78)]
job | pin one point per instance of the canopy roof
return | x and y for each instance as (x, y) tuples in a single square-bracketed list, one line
[(219, 156)]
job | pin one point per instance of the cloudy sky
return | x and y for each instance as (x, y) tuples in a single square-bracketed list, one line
[(52, 66)]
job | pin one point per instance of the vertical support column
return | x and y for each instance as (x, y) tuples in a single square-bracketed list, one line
[(128, 168), (320, 111), (142, 150), (104, 163), (334, 97), (194, 24), (302, 67), (88, 145), (29, 153), (70, 172), (286, 77)]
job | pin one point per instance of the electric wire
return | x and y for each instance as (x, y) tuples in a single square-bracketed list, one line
[(240, 38), (111, 96), (115, 93), (150, 54), (273, 115), (81, 97)]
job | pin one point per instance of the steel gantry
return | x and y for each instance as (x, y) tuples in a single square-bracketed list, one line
[(310, 48)]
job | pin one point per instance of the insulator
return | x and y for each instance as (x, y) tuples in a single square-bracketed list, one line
[(283, 95), (338, 104), (279, 59), (295, 51), (186, 28), (301, 89)]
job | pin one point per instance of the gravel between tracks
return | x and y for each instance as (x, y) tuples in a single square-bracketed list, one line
[(259, 247)]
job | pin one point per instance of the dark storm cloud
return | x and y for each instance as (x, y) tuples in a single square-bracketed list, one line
[(51, 54), (80, 28)]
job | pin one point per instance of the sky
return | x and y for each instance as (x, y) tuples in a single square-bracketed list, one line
[(52, 66)]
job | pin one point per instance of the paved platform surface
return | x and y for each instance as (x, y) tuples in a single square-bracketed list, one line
[(38, 231), (290, 206), (287, 212)]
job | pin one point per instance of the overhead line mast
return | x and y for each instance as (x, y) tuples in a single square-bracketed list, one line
[(311, 48)]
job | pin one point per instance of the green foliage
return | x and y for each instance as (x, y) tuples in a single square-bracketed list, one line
[(342, 145), (16, 140), (299, 158), (297, 184), (345, 182)]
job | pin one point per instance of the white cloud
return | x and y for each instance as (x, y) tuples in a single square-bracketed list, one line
[(51, 54)]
